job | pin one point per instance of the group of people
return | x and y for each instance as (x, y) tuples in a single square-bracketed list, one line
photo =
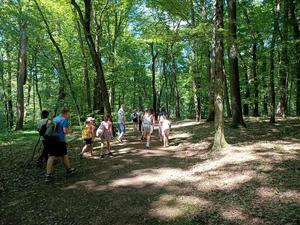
[(145, 122)]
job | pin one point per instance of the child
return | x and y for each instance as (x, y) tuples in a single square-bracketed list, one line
[(165, 129), (148, 126), (88, 136), (106, 133)]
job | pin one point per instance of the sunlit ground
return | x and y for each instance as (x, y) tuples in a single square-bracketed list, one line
[(254, 181)]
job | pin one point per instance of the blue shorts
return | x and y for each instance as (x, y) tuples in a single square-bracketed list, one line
[(121, 128)]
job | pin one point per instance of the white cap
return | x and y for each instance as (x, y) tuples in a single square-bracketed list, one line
[(89, 119)]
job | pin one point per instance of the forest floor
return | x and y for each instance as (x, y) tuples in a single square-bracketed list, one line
[(255, 181)]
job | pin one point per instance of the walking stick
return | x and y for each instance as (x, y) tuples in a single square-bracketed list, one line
[(34, 150)]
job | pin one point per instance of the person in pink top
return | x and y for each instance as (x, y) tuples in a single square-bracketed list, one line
[(105, 133)]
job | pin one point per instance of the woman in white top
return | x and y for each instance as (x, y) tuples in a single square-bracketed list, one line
[(148, 126)]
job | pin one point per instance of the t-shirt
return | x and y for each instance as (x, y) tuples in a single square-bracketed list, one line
[(62, 123), (108, 126), (166, 124), (40, 124), (121, 115)]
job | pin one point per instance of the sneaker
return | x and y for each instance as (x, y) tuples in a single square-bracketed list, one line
[(70, 171), (102, 156), (49, 177), (110, 154)]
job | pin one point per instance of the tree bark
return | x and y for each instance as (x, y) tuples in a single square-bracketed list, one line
[(211, 78), (100, 86), (9, 90), (283, 62), (195, 67), (226, 96), (85, 70), (219, 138), (272, 66), (177, 97), (21, 76), (296, 32), (236, 106), (154, 94), (255, 78)]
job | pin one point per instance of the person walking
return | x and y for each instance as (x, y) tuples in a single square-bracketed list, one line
[(148, 126), (105, 132), (88, 136), (121, 123), (59, 148), (41, 128)]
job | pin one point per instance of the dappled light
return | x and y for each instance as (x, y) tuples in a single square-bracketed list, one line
[(247, 183)]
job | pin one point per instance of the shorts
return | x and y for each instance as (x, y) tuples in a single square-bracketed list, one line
[(121, 128), (148, 129), (57, 148), (87, 141)]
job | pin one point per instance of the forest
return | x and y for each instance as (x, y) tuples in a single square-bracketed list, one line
[(227, 73)]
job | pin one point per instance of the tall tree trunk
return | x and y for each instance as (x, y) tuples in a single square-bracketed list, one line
[(195, 68), (101, 86), (8, 89), (21, 77), (219, 138), (35, 75), (226, 96), (296, 32), (3, 95), (236, 105), (62, 63), (177, 96), (85, 69), (211, 78), (154, 94), (29, 85), (272, 66), (283, 62), (255, 78)]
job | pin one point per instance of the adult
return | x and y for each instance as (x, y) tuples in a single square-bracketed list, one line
[(59, 148), (148, 126), (135, 119), (140, 118), (41, 128), (121, 123)]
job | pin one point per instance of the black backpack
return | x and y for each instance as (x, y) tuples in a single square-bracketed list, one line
[(51, 133), (43, 129)]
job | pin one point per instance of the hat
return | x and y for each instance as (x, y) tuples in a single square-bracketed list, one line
[(89, 119)]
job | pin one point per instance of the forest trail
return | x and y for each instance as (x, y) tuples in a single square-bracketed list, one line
[(255, 181)]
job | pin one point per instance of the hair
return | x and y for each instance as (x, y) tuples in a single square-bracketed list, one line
[(150, 111), (44, 114), (107, 117), (65, 110)]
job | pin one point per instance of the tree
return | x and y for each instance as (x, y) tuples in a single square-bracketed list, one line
[(22, 68), (236, 106), (100, 82), (219, 138)]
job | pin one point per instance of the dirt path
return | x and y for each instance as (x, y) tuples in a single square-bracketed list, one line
[(255, 181)]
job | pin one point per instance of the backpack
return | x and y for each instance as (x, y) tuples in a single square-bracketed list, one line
[(134, 117), (43, 129), (51, 133), (86, 133), (100, 130)]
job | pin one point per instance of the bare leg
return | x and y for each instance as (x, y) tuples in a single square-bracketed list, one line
[(50, 164), (66, 161)]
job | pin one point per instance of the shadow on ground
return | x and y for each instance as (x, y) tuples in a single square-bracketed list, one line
[(255, 181)]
